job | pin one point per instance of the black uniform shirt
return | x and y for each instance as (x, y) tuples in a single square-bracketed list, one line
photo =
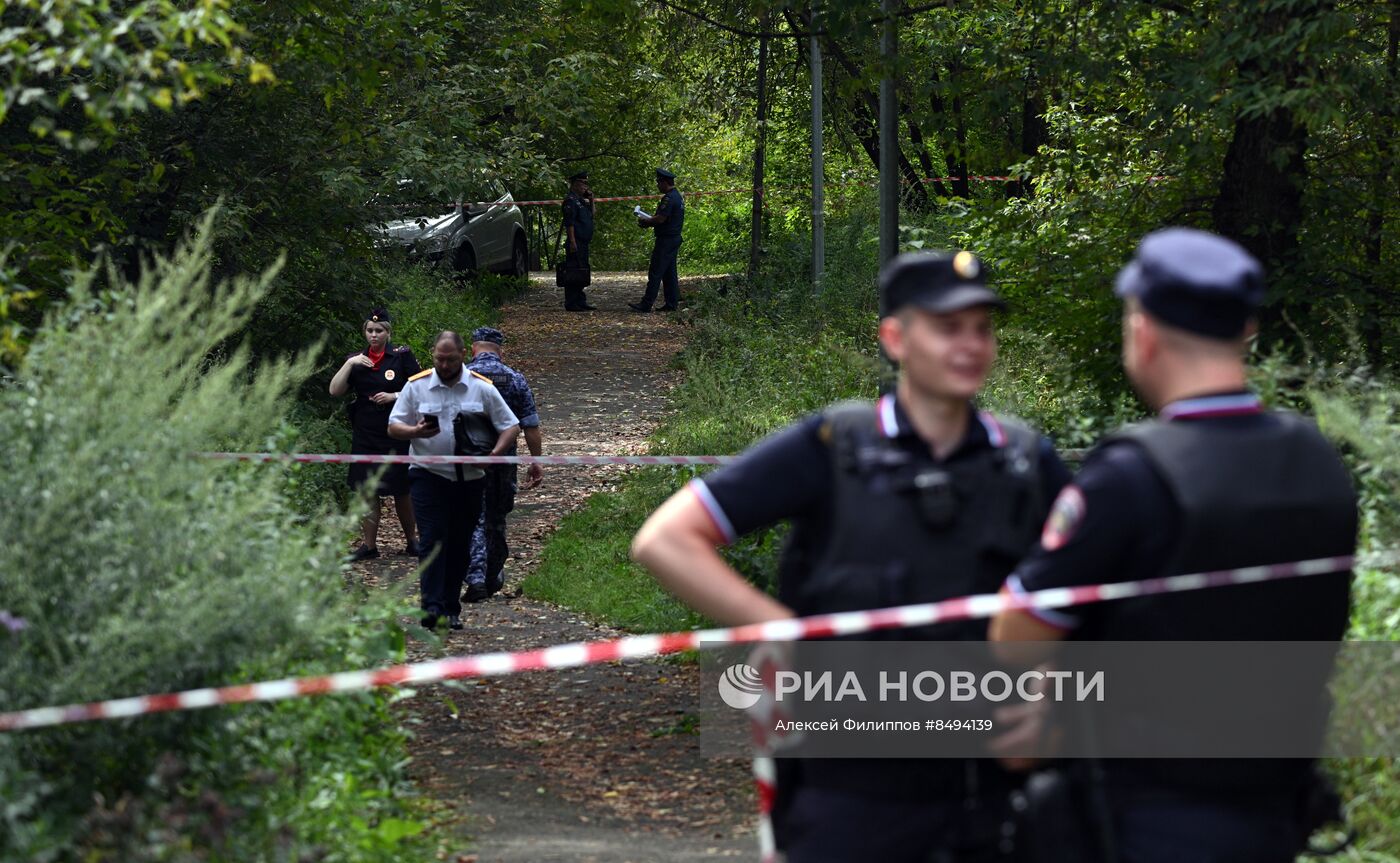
[(370, 421), (790, 473), (578, 212), (673, 207)]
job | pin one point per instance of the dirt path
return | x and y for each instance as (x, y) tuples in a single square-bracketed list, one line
[(591, 764)]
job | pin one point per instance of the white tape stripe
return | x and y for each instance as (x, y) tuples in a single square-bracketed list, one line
[(275, 690), (566, 656), (357, 458), (124, 707), (570, 655), (197, 698), (640, 646), (349, 681), (496, 663)]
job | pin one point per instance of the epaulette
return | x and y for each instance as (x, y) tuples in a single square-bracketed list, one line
[(482, 377), (422, 374)]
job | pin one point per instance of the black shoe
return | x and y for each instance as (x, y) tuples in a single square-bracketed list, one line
[(667, 309), (429, 621), (413, 549), (364, 552), (638, 307), (475, 593), (454, 622), (588, 308)]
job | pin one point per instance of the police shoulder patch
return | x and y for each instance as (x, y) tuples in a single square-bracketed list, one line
[(422, 374), (1064, 519), (480, 376)]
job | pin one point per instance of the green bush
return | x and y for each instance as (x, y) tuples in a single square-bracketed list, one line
[(137, 567)]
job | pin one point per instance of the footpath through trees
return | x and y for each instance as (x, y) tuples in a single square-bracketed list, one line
[(599, 763)]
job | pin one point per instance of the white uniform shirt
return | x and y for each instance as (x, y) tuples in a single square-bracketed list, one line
[(429, 396)]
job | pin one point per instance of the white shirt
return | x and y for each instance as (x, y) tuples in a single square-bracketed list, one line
[(429, 396)]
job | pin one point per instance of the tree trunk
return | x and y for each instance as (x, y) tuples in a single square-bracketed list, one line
[(760, 141), (1034, 133), (1383, 301), (1260, 200), (865, 111)]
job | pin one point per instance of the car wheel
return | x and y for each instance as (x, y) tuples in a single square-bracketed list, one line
[(520, 259), (464, 262)]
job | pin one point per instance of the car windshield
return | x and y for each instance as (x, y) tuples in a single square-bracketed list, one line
[(409, 198)]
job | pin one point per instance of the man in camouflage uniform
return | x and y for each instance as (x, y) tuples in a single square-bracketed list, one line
[(489, 550)]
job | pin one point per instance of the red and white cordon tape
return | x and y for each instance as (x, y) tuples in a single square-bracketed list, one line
[(644, 646), (743, 190), (352, 458)]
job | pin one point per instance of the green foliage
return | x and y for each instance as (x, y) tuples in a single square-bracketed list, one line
[(111, 62), (1364, 413), (137, 567), (585, 566)]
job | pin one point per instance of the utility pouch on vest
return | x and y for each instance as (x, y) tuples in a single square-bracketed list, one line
[(937, 496), (1058, 817)]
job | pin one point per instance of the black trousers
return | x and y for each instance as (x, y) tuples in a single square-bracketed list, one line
[(447, 511), (1167, 831), (573, 297), (662, 271), (830, 826)]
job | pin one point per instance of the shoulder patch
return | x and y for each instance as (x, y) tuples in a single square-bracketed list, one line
[(422, 374), (1065, 517), (401, 349), (480, 376)]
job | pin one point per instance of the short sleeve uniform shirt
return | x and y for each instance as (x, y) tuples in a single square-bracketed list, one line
[(427, 395)]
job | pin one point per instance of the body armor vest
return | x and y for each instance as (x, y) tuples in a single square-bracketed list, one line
[(1267, 489), (905, 529), (1250, 493)]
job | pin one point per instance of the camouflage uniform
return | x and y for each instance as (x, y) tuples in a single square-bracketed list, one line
[(489, 549)]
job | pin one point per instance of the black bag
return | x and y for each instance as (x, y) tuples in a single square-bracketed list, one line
[(473, 434), (568, 275)]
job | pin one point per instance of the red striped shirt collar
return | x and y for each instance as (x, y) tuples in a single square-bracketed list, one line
[(1206, 407)]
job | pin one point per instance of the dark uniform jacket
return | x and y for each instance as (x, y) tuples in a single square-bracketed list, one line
[(578, 213), (369, 422)]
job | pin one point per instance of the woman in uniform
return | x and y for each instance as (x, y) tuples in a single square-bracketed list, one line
[(376, 375)]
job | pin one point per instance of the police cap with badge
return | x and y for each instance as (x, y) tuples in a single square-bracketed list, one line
[(936, 282), (663, 174), (1194, 281), (581, 175)]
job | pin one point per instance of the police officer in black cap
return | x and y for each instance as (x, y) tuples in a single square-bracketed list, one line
[(667, 222), (916, 498), (376, 375), (578, 230), (1214, 482)]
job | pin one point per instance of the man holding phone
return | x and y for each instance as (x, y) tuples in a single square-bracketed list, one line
[(446, 498)]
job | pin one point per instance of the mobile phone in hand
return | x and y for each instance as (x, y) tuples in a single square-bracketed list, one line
[(431, 421)]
